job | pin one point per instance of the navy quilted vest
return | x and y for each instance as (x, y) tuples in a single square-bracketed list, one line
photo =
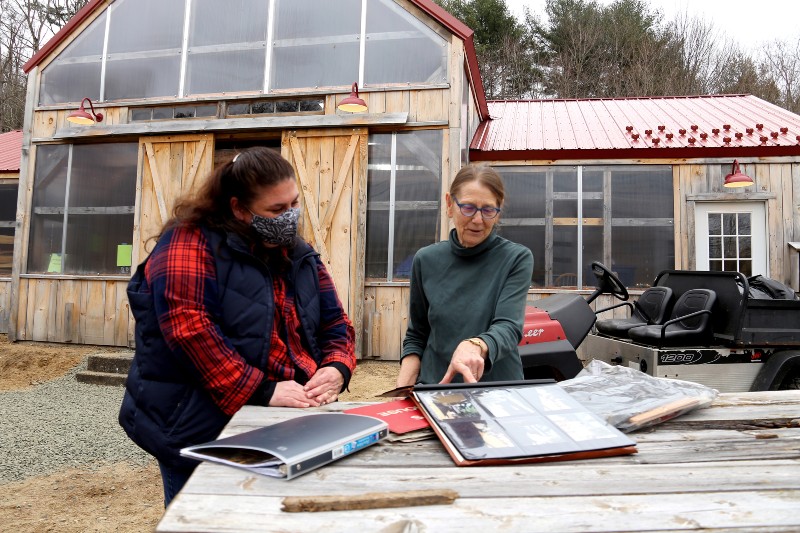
[(165, 407)]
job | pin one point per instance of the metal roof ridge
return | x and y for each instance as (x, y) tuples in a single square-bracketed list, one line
[(618, 98)]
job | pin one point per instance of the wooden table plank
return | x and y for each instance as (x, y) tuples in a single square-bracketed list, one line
[(544, 479), (670, 512), (654, 448)]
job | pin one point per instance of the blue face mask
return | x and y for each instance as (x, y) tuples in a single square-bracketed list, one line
[(280, 230)]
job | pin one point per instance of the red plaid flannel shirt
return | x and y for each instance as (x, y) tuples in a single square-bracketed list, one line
[(182, 277)]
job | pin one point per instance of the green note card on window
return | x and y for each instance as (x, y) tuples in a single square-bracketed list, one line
[(124, 252), (55, 263)]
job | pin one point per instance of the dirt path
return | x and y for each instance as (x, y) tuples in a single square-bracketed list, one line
[(120, 497)]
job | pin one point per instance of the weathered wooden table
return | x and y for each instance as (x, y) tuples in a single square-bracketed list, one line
[(732, 467)]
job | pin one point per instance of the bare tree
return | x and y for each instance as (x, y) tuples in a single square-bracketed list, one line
[(782, 64), (24, 27), (12, 80)]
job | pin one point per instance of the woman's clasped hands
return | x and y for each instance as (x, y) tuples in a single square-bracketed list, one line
[(323, 388)]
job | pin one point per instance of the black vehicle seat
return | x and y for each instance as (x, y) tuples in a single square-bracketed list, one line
[(653, 307), (689, 323)]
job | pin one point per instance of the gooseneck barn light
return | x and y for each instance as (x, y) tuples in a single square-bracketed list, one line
[(353, 103), (81, 116), (736, 178)]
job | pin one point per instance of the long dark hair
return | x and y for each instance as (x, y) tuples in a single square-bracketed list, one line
[(243, 178)]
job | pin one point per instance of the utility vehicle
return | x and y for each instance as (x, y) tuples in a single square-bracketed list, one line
[(694, 326)]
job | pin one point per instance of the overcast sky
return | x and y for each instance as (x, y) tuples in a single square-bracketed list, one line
[(749, 22)]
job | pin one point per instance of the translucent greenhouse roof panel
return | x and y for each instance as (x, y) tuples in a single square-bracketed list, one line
[(227, 53), (75, 73), (400, 48), (145, 41), (316, 44), (140, 49)]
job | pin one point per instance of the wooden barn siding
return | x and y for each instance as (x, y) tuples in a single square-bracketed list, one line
[(77, 311), (426, 106)]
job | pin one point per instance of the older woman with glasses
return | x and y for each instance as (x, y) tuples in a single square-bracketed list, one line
[(467, 301)]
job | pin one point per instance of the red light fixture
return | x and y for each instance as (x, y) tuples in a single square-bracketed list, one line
[(736, 178), (353, 104), (81, 116)]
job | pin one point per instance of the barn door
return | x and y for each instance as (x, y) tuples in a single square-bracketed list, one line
[(168, 167), (331, 169)]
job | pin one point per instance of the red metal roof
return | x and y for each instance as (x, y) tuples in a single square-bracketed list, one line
[(428, 6), (10, 151), (654, 127)]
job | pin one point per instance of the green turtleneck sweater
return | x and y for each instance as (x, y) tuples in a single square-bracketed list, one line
[(458, 293)]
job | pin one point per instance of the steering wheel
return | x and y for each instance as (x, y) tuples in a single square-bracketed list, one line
[(608, 282)]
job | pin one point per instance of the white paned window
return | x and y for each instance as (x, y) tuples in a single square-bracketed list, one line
[(730, 238)]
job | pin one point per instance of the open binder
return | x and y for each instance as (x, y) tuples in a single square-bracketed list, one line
[(516, 422)]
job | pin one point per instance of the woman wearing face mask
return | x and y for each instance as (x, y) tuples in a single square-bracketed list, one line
[(467, 299), (231, 308)]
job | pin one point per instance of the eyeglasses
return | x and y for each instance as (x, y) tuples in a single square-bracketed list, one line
[(469, 210)]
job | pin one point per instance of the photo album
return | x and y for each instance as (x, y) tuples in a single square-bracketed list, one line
[(516, 422)]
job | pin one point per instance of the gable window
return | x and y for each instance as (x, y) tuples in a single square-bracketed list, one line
[(569, 216), (403, 191), (139, 49), (82, 209)]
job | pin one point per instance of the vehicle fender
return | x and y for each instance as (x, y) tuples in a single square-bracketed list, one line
[(775, 369), (557, 355)]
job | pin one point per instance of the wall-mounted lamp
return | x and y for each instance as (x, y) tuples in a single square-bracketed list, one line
[(736, 178), (353, 104), (81, 116)]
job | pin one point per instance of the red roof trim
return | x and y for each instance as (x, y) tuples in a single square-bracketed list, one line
[(62, 34), (428, 6)]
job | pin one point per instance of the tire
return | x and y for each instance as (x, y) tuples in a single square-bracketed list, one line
[(791, 380)]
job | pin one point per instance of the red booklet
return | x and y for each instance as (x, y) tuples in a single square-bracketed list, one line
[(401, 415)]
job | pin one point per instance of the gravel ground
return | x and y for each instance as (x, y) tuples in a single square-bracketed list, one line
[(60, 424)]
